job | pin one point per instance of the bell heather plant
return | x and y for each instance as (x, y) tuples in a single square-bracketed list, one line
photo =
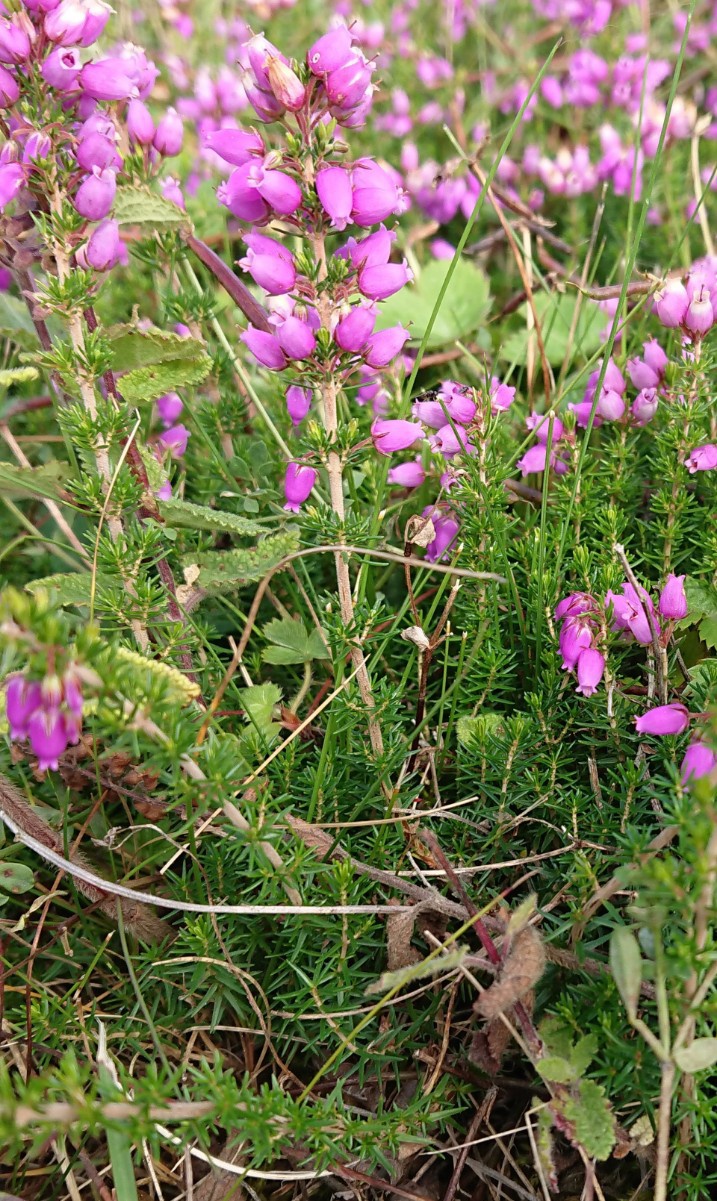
[(359, 605)]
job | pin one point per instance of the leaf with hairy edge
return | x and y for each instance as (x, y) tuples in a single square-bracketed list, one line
[(23, 482), (699, 1055), (183, 515), (626, 966), (292, 643), (592, 1119), (181, 688), (140, 206), (147, 383), (556, 1069), (132, 347), (222, 571), (73, 587)]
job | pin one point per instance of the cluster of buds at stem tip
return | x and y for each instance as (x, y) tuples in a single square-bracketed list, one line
[(104, 111), (690, 306)]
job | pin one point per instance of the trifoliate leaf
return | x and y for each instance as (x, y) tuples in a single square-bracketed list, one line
[(556, 314), (292, 642), (626, 966), (463, 309), (140, 206), (181, 514)]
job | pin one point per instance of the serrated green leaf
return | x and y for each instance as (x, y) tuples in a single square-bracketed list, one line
[(17, 375), (292, 643), (700, 1054), (583, 1053), (15, 877), (544, 1142), (16, 322), (556, 313), (72, 587), (47, 480), (626, 967), (140, 206), (556, 1069), (463, 309), (259, 701), (701, 599), (592, 1119), (708, 631), (179, 686), (221, 571), (182, 514), (133, 348), (148, 383)]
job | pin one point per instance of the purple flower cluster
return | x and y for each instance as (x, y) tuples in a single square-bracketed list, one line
[(104, 103), (579, 634), (48, 713)]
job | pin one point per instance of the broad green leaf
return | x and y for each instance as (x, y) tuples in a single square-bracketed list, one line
[(181, 514), (592, 1119), (17, 375), (292, 642), (555, 314), (47, 480), (463, 309), (223, 571), (556, 1069), (16, 322), (140, 206), (72, 587), (147, 383), (259, 701), (626, 966), (700, 1054), (708, 631), (16, 877), (132, 347)]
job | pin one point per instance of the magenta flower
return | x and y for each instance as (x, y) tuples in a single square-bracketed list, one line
[(699, 317), (372, 251), (9, 88), (241, 196), (407, 475), (77, 22), (22, 698), (270, 264), (630, 613), (265, 348), (95, 196), (298, 483), (392, 435), (382, 348), (446, 526), (673, 599), (164, 492), (702, 458), (61, 68), (169, 134), (575, 604), (576, 636), (380, 282), (49, 737), (296, 338), (333, 186), (140, 125), (665, 719), (644, 406), (375, 194), (109, 79), (610, 405), (96, 150), (12, 179), (500, 395), (175, 440), (331, 52), (15, 39), (104, 249), (169, 408), (539, 423), (353, 331), (699, 761), (671, 303), (236, 146), (534, 460), (298, 402), (280, 191), (450, 441), (590, 670)]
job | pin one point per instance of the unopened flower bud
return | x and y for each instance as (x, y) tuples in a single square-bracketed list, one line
[(285, 84)]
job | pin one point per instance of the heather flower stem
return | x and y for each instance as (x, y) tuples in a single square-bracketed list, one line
[(334, 467), (87, 394)]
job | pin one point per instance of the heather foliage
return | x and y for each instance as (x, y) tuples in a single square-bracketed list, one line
[(358, 469)]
